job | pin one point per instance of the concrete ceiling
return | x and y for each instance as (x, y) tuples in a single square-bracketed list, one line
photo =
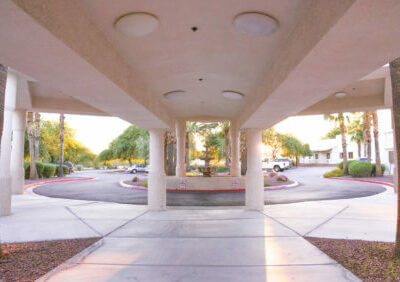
[(76, 56)]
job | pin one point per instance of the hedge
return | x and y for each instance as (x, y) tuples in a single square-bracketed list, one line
[(373, 171), (337, 172), (340, 165), (221, 169), (39, 169), (65, 169), (49, 170), (360, 169)]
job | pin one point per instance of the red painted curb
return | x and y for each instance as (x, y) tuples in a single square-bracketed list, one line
[(58, 180), (363, 180)]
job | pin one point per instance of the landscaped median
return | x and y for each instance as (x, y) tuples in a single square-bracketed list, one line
[(48, 181)]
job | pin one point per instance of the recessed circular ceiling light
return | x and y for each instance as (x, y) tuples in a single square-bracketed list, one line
[(340, 94), (172, 95), (233, 95), (256, 23), (136, 23)]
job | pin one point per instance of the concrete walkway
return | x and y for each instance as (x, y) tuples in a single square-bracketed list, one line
[(199, 244)]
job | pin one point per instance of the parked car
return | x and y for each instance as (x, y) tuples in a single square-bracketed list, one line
[(138, 168), (275, 165), (288, 163), (69, 165)]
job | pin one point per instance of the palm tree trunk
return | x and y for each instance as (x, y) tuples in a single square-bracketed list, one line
[(376, 141), (61, 157), (344, 145), (187, 151), (359, 148), (243, 152), (31, 139), (395, 76), (226, 149), (37, 135), (367, 134)]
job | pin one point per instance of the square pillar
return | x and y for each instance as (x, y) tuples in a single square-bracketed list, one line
[(157, 192), (254, 175), (235, 141), (5, 153), (17, 152), (180, 127)]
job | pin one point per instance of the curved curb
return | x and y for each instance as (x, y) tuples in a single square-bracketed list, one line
[(294, 184), (55, 181), (363, 180)]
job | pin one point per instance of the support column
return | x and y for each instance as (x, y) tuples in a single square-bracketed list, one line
[(180, 127), (254, 175), (5, 153), (157, 192), (235, 141), (17, 152)]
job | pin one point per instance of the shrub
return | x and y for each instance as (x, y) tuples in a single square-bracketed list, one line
[(65, 169), (266, 184), (340, 165), (145, 184), (222, 169), (360, 169), (373, 171), (282, 178), (26, 167), (337, 172), (39, 169), (79, 167), (49, 170)]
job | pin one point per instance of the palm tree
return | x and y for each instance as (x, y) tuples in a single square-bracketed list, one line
[(243, 153), (376, 141), (356, 132), (170, 152), (395, 76), (226, 129), (61, 157), (340, 118), (31, 139), (37, 135), (367, 135), (191, 130)]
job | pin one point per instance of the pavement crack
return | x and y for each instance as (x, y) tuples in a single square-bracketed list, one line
[(84, 222), (127, 222), (326, 221)]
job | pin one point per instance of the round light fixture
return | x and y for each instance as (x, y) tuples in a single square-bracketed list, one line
[(172, 95), (340, 94), (256, 23), (233, 95), (136, 23)]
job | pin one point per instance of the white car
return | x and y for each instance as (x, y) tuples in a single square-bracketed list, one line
[(276, 165), (138, 168)]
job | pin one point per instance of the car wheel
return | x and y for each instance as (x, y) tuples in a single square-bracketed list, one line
[(277, 168), (134, 171)]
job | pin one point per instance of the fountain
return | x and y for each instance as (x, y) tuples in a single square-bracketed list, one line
[(207, 170)]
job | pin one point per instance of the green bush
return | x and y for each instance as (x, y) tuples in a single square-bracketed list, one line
[(266, 184), (373, 171), (79, 167), (26, 167), (340, 165), (49, 170), (65, 169), (221, 169), (337, 172), (145, 184), (360, 169), (39, 169)]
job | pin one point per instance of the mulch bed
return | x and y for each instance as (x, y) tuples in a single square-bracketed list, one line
[(370, 261), (29, 261)]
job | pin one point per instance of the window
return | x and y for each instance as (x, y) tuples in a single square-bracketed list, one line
[(328, 156), (341, 155), (350, 155), (316, 156)]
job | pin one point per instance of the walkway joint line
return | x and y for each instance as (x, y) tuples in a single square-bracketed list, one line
[(326, 221)]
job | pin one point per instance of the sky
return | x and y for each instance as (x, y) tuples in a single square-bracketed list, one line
[(97, 132)]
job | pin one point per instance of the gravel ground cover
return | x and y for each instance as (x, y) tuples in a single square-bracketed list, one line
[(370, 261), (29, 261)]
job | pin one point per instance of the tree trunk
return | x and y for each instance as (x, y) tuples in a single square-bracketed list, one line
[(359, 148), (37, 135), (367, 135), (227, 151), (31, 139), (61, 157), (187, 151), (376, 141), (3, 79), (344, 145), (170, 153), (395, 76), (243, 152)]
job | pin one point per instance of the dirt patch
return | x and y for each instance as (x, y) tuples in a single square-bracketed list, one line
[(370, 261), (29, 261)]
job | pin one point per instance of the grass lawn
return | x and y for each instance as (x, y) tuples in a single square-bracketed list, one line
[(370, 261)]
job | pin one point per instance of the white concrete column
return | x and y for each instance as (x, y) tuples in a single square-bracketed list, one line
[(5, 149), (157, 192), (17, 152), (254, 175), (180, 127), (235, 141)]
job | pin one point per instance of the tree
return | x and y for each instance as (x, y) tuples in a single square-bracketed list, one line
[(340, 118), (367, 135), (332, 133), (226, 129), (105, 156), (31, 139), (272, 139), (37, 135), (293, 148), (395, 77), (61, 157), (170, 152), (356, 132), (190, 142), (376, 141), (243, 153)]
